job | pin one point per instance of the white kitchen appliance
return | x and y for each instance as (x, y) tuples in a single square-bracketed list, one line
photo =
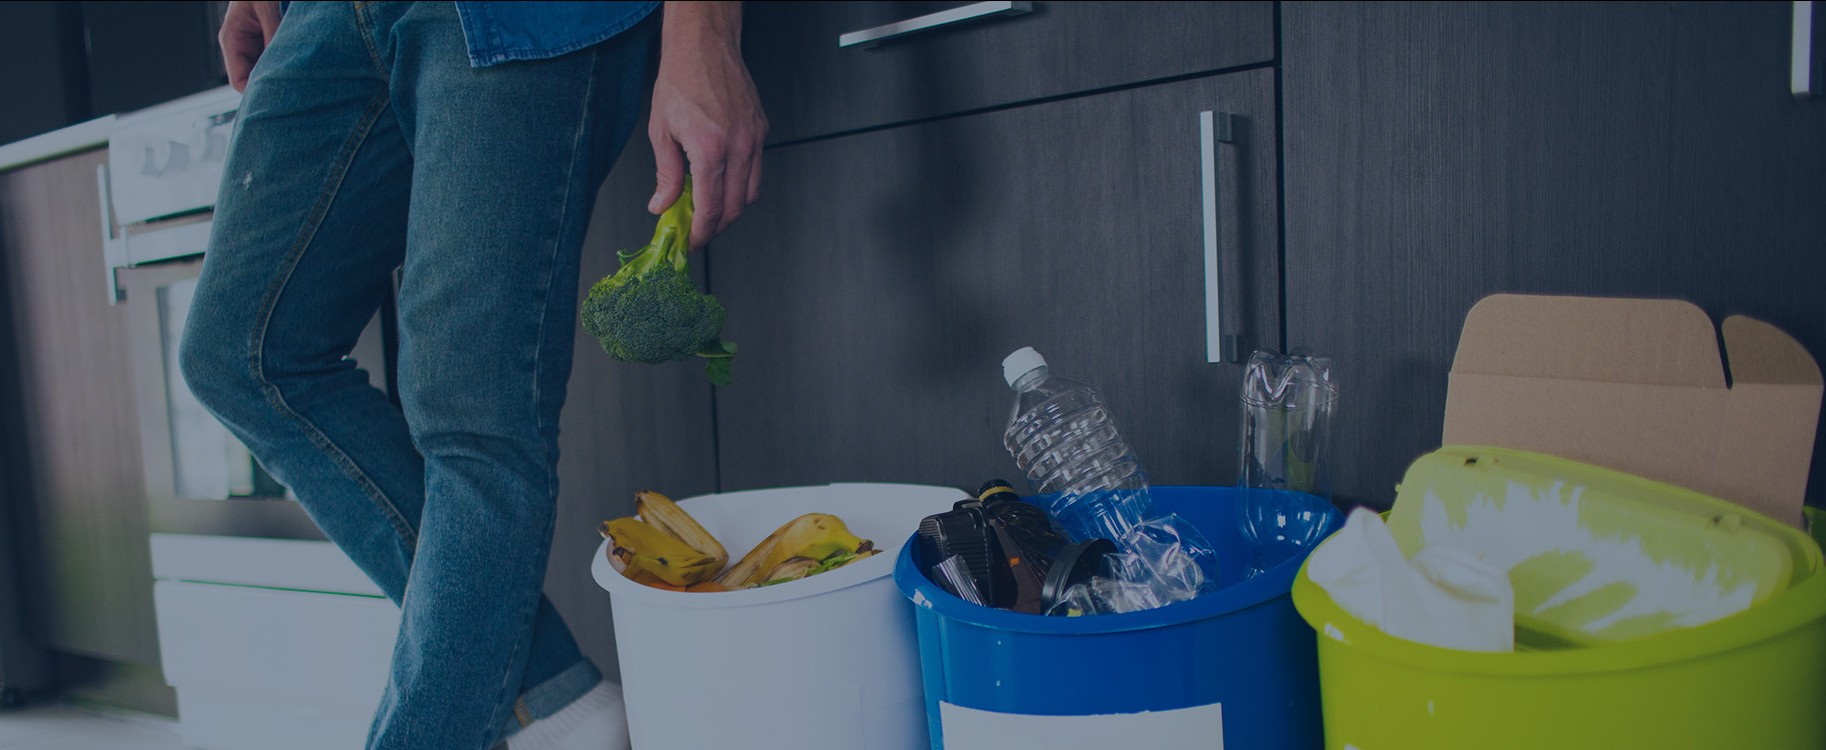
[(164, 166)]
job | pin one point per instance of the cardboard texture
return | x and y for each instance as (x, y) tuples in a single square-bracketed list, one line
[(1639, 386)]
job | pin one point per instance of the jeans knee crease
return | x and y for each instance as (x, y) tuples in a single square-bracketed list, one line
[(264, 316)]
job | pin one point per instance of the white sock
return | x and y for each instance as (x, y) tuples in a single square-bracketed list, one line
[(596, 721)]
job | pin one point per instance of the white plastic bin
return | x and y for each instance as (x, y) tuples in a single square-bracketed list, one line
[(828, 661)]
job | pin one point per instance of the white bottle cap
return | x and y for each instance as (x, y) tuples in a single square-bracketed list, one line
[(1024, 360)]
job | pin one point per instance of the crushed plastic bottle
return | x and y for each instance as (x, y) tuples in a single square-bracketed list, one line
[(1063, 438), (1157, 569)]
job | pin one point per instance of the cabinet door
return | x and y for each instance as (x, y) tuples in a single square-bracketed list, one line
[(882, 277), (811, 86), (1438, 153), (78, 445)]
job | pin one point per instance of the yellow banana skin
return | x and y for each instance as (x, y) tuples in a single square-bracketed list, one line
[(814, 536), (793, 569), (796, 568), (647, 549), (660, 512), (749, 567)]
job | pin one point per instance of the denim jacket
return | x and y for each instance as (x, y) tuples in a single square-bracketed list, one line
[(500, 31)]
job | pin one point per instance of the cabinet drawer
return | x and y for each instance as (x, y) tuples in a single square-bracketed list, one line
[(811, 86), (323, 649), (273, 669)]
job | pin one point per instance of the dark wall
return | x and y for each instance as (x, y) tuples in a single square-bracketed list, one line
[(43, 81), (144, 53), (63, 63)]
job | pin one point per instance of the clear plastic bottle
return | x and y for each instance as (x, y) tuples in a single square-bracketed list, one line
[(1287, 404), (1062, 437)]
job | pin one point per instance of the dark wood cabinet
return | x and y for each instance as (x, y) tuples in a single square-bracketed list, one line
[(1436, 153), (878, 284), (812, 87)]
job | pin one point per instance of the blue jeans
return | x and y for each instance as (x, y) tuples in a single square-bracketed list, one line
[(367, 143)]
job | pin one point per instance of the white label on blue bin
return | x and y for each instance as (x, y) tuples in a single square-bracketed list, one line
[(1196, 728)]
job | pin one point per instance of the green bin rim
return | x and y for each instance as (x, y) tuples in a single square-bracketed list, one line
[(1801, 604)]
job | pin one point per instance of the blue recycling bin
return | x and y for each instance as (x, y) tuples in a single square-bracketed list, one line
[(1237, 663)]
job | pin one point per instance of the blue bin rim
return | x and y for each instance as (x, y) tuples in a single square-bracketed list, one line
[(1276, 582)]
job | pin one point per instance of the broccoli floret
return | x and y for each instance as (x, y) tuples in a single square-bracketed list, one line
[(659, 317), (649, 311)]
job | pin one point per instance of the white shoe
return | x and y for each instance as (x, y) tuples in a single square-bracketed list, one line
[(596, 721)]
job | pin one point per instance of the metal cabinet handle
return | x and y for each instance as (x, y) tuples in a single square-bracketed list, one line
[(1806, 72), (1214, 128), (113, 249), (931, 21)]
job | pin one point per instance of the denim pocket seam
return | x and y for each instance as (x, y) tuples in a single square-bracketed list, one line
[(364, 28)]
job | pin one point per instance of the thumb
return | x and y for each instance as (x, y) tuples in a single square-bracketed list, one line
[(670, 177), (268, 15)]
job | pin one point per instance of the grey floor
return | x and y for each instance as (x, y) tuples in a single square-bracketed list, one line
[(54, 727)]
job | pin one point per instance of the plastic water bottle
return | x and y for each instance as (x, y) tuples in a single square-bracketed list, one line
[(1062, 437), (1287, 404)]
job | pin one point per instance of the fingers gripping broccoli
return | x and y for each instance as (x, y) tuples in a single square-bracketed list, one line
[(651, 312)]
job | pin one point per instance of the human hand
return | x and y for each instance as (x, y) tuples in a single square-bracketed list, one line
[(705, 112), (247, 27)]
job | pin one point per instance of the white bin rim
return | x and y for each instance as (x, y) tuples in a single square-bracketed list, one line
[(885, 513)]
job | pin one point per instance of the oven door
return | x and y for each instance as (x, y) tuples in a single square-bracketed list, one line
[(199, 478)]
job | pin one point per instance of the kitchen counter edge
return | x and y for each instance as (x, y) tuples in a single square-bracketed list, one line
[(82, 136)]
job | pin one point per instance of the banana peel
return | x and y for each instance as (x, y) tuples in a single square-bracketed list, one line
[(793, 569), (644, 548), (664, 547), (804, 567), (814, 536), (648, 579), (659, 511)]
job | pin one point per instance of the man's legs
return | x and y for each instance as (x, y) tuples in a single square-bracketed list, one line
[(311, 221), (507, 163)]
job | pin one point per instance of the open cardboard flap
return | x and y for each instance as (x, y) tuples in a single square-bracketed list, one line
[(1638, 386)]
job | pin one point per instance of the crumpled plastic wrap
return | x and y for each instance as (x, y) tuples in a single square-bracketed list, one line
[(1163, 560)]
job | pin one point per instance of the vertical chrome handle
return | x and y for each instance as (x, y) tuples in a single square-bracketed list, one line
[(931, 21), (1220, 345), (113, 249), (1806, 74)]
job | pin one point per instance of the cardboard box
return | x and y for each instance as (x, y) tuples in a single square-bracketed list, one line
[(1638, 386)]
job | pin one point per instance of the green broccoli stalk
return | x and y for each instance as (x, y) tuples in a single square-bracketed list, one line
[(650, 312)]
